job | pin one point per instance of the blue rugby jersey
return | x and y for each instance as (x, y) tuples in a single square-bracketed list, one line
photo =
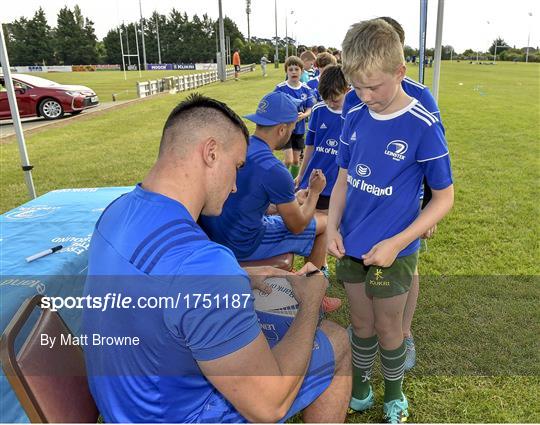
[(324, 129), (261, 181), (313, 84), (302, 92), (144, 246), (386, 158)]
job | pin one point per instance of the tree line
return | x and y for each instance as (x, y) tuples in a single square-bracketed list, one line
[(181, 39)]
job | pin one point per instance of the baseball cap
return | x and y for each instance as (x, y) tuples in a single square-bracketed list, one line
[(276, 108)]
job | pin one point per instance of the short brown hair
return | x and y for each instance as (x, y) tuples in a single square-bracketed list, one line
[(308, 55), (397, 27), (332, 82), (325, 59), (294, 60)]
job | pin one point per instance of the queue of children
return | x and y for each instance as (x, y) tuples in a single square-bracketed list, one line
[(374, 142)]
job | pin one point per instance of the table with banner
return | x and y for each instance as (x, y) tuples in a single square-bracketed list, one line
[(62, 217)]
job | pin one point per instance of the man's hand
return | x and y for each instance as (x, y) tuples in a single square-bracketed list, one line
[(301, 196), (317, 181), (429, 233), (383, 254), (309, 291), (258, 275), (335, 245)]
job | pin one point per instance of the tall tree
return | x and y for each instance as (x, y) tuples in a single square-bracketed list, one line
[(89, 54), (501, 46), (75, 38), (39, 40), (232, 31), (19, 50), (67, 37)]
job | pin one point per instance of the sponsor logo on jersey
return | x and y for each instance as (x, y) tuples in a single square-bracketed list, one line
[(361, 184), (396, 150), (303, 96), (332, 143), (323, 126), (363, 170), (353, 137)]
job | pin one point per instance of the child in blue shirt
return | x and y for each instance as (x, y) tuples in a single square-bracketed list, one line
[(324, 129), (389, 143), (298, 90), (323, 61)]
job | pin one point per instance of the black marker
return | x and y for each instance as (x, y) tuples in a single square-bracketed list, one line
[(312, 272)]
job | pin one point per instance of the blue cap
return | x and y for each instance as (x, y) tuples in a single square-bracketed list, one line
[(276, 108)]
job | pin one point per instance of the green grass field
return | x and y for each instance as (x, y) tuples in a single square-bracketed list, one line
[(477, 321), (105, 83)]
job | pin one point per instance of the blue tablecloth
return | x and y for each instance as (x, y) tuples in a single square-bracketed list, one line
[(62, 217)]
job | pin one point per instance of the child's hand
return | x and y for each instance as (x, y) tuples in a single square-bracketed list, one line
[(382, 254), (335, 244), (317, 181)]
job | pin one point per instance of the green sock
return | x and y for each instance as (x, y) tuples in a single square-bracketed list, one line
[(393, 363), (364, 352), (294, 169)]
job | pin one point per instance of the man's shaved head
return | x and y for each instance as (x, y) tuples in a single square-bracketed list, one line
[(196, 118)]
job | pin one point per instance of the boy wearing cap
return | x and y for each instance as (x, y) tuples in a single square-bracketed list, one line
[(243, 226)]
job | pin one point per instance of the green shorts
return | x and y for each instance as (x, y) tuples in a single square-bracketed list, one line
[(381, 282)]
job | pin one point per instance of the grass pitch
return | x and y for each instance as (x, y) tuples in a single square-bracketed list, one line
[(477, 321)]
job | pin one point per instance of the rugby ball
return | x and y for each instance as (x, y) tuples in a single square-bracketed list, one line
[(275, 311), (280, 301)]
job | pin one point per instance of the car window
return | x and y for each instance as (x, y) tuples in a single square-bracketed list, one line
[(20, 85), (37, 81)]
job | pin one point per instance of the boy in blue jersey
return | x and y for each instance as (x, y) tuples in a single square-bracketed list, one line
[(243, 225), (324, 129), (323, 61), (202, 357), (418, 91), (298, 90), (389, 143)]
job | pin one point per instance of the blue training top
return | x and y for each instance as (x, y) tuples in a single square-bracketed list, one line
[(147, 246), (324, 129), (302, 92), (313, 84), (261, 181), (386, 158)]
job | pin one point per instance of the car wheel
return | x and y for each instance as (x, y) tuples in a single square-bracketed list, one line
[(51, 109)]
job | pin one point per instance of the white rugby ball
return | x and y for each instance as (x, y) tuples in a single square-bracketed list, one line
[(280, 301)]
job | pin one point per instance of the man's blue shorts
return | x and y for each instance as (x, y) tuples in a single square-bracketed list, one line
[(279, 240), (318, 378)]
